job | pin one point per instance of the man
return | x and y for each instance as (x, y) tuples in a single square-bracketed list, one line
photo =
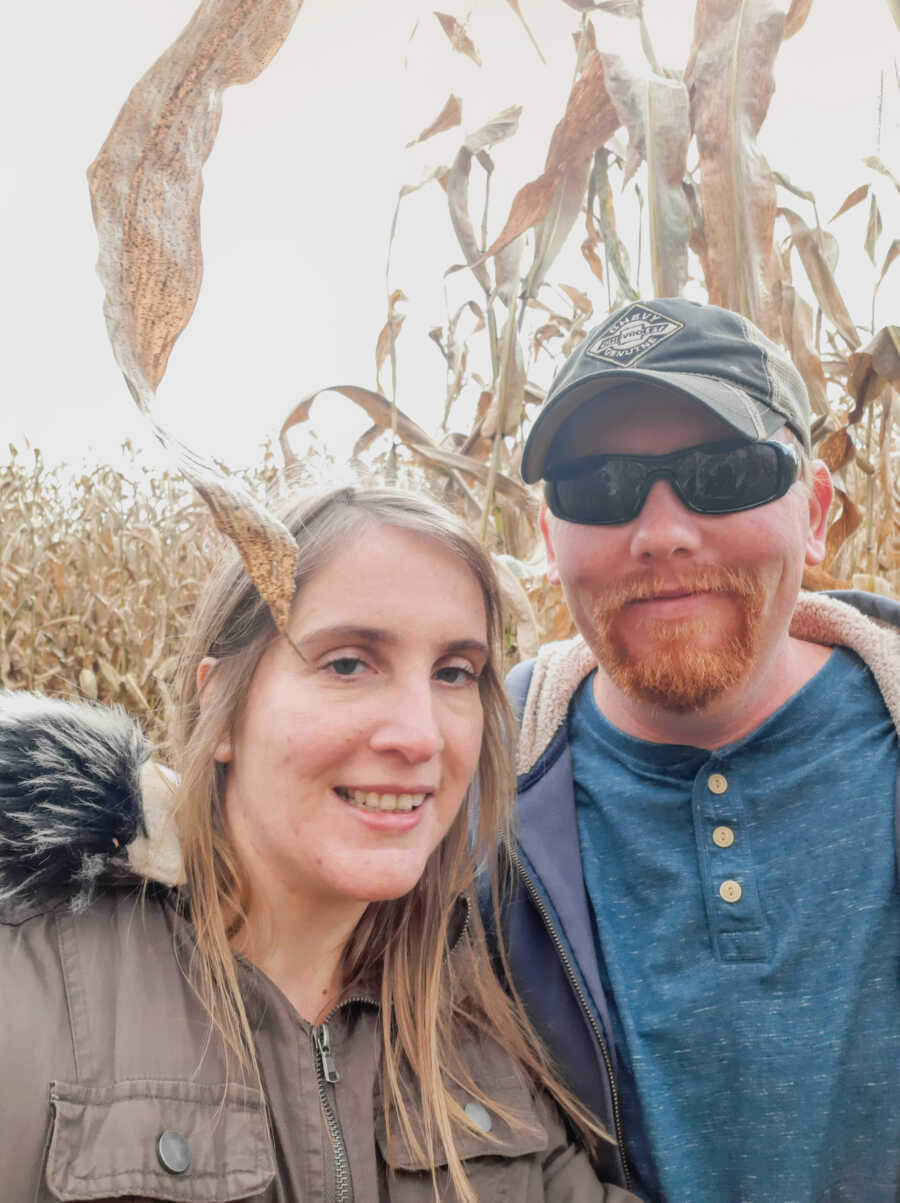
[(706, 918)]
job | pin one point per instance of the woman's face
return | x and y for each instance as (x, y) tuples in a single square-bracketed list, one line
[(347, 767)]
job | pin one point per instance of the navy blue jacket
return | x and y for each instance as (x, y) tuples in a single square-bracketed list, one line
[(548, 931)]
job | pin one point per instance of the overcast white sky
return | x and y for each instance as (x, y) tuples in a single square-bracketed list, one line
[(300, 190)]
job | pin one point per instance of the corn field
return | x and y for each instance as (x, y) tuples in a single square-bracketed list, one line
[(99, 573)]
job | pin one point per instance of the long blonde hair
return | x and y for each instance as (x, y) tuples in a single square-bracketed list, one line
[(426, 994)]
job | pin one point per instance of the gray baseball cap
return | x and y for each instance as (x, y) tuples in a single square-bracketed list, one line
[(708, 354)]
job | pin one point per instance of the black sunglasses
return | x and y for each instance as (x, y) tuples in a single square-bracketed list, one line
[(711, 478)]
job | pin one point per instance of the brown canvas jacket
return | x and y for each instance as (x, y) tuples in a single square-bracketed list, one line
[(113, 1087)]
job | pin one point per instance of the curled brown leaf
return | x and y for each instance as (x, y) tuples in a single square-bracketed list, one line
[(857, 195), (449, 116), (459, 39), (842, 527), (589, 120), (873, 367), (823, 283), (146, 185)]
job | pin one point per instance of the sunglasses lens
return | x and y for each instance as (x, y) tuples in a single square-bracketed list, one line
[(611, 493), (710, 479), (724, 481)]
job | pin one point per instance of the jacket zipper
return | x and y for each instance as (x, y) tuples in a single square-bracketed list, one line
[(326, 1075), (579, 994)]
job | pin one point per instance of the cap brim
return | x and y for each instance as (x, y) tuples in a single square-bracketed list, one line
[(723, 400)]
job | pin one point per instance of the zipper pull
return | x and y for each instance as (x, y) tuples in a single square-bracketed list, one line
[(323, 1045)]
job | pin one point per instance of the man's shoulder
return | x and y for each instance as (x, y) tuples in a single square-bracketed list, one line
[(868, 625), (541, 690)]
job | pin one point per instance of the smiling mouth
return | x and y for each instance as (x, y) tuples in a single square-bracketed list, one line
[(370, 800)]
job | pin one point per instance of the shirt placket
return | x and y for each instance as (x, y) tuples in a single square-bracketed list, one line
[(729, 877)]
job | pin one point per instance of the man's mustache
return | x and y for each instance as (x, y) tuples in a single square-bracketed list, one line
[(705, 579)]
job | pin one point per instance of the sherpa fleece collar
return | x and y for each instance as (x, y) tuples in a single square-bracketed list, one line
[(561, 667)]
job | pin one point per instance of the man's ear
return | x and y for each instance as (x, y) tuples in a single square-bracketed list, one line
[(546, 521), (206, 684), (820, 497)]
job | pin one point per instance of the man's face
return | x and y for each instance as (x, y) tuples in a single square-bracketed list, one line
[(680, 607)]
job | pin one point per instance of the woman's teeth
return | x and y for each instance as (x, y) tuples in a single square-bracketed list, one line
[(372, 801)]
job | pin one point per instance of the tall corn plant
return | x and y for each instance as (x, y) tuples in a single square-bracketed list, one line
[(711, 206)]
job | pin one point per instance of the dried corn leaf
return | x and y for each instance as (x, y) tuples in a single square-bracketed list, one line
[(387, 340), (300, 413), (449, 116), (843, 526), (365, 440), (504, 125), (730, 81), (874, 227), (507, 409), (618, 8), (655, 111), (146, 184), (514, 5), (893, 252), (797, 326), (459, 39), (589, 120), (579, 299), (266, 545), (876, 164), (823, 283), (593, 260), (796, 17), (432, 173), (837, 450), (873, 367), (506, 487), (857, 195), (374, 404), (817, 578), (616, 251), (515, 599), (508, 269)]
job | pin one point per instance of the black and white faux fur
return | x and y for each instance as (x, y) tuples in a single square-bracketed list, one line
[(70, 799)]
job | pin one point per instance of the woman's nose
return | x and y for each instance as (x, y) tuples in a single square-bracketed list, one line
[(409, 723), (665, 527)]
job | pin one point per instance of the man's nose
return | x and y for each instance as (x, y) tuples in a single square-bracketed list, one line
[(665, 527), (409, 722)]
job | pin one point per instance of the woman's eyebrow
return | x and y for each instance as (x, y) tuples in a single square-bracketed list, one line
[(349, 633)]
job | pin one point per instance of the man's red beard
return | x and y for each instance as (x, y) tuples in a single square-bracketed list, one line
[(678, 673)]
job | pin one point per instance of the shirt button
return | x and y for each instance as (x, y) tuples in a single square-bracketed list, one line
[(730, 890), (723, 837), (173, 1151), (479, 1116), (717, 783)]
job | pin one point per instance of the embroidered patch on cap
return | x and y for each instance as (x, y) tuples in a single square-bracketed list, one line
[(635, 332)]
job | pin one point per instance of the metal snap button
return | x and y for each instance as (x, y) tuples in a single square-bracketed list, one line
[(731, 891), (717, 783), (479, 1115), (723, 837), (173, 1151)]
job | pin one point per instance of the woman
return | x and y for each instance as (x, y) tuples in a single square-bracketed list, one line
[(298, 1006)]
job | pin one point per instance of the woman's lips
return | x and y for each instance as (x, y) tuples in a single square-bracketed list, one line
[(385, 808)]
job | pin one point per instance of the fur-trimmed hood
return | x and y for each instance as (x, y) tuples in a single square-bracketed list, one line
[(561, 667), (81, 804)]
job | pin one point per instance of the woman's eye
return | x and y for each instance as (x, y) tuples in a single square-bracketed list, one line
[(456, 674), (346, 666)]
